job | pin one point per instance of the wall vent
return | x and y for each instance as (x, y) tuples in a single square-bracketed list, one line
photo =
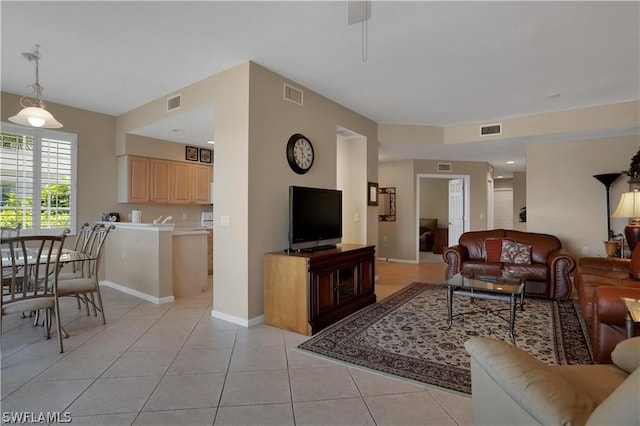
[(293, 94), (444, 167), (174, 102), (491, 129)]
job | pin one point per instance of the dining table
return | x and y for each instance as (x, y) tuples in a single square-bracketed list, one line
[(68, 257)]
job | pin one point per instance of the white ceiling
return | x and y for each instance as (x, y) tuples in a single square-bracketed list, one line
[(428, 63)]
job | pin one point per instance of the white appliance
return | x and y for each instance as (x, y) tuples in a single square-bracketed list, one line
[(206, 219)]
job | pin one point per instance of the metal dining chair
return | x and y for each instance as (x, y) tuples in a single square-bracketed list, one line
[(86, 286), (32, 264), (83, 240)]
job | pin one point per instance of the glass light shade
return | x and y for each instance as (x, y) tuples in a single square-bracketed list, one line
[(36, 117), (629, 205)]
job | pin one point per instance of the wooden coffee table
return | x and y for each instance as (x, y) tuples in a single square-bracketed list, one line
[(489, 288)]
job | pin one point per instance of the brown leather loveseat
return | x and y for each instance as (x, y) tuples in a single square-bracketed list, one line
[(601, 283), (548, 271)]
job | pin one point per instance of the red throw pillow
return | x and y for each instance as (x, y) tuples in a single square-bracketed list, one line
[(634, 266), (493, 249)]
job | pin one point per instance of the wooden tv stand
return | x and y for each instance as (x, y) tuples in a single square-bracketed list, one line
[(305, 292)]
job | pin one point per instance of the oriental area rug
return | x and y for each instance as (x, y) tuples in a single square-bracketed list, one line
[(406, 335)]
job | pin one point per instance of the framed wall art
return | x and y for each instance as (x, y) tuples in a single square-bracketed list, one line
[(191, 153), (205, 155)]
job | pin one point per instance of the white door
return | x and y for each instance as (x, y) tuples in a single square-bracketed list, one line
[(503, 208), (456, 210)]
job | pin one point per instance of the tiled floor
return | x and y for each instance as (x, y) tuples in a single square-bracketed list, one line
[(174, 364)]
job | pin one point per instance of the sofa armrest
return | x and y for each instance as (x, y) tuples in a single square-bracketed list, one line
[(454, 256), (608, 306), (605, 264), (561, 265), (530, 383)]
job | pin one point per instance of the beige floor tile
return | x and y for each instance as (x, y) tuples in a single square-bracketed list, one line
[(153, 312), (255, 358), (300, 359), (458, 406), (256, 387), (208, 339), (110, 341), (271, 414), (186, 391), (136, 364), (167, 326), (49, 396), (16, 372), (104, 420), (114, 395), (313, 384), (370, 383), (159, 342), (259, 336), (190, 417), (351, 411), (417, 408), (192, 361), (79, 365), (131, 326)]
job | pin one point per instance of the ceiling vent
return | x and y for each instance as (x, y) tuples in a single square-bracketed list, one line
[(174, 103), (444, 167), (293, 94), (344, 133), (491, 129)]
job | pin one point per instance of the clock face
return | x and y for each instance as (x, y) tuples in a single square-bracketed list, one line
[(300, 153)]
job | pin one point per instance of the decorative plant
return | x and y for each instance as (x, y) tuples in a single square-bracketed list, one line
[(634, 167)]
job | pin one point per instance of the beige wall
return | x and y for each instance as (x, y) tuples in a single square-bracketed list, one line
[(398, 240), (434, 200), (252, 125), (519, 199), (96, 163), (351, 179), (563, 197)]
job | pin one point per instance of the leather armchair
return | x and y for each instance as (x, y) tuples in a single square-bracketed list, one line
[(601, 283), (426, 233), (548, 275)]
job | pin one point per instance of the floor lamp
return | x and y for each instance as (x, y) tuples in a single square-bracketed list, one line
[(607, 179), (629, 207)]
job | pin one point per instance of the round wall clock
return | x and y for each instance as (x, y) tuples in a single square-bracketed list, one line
[(300, 153)]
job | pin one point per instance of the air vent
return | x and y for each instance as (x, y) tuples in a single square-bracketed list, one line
[(444, 167), (491, 129), (174, 102), (293, 94)]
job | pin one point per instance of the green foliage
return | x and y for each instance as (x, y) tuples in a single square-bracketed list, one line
[(634, 167), (55, 204)]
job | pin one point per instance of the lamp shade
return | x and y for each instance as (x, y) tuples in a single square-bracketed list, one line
[(36, 117), (629, 205)]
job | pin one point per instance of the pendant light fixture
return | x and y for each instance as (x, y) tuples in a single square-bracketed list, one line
[(33, 113)]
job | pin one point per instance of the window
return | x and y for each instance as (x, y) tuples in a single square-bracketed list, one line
[(38, 179)]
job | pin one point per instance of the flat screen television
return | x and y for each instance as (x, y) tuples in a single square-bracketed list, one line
[(315, 218)]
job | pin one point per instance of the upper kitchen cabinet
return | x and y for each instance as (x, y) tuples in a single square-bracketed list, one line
[(152, 180), (133, 179), (201, 183)]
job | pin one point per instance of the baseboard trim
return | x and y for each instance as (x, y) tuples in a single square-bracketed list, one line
[(387, 259), (237, 320), (138, 294)]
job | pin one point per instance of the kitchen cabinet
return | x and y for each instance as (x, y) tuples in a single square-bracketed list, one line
[(159, 180), (181, 183), (305, 292), (133, 179), (210, 251), (152, 180), (201, 177)]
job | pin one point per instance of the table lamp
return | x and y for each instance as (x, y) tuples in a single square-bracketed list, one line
[(629, 206)]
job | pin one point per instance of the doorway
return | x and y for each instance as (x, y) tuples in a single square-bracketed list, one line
[(433, 210)]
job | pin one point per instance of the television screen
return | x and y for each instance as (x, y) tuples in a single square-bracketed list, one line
[(315, 218)]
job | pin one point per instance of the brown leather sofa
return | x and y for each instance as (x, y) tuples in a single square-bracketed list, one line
[(548, 275), (600, 283)]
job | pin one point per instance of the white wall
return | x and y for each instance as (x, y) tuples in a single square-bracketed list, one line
[(352, 181)]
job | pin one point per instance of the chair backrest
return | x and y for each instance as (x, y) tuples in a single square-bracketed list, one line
[(84, 237), (96, 246), (28, 262), (8, 232)]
